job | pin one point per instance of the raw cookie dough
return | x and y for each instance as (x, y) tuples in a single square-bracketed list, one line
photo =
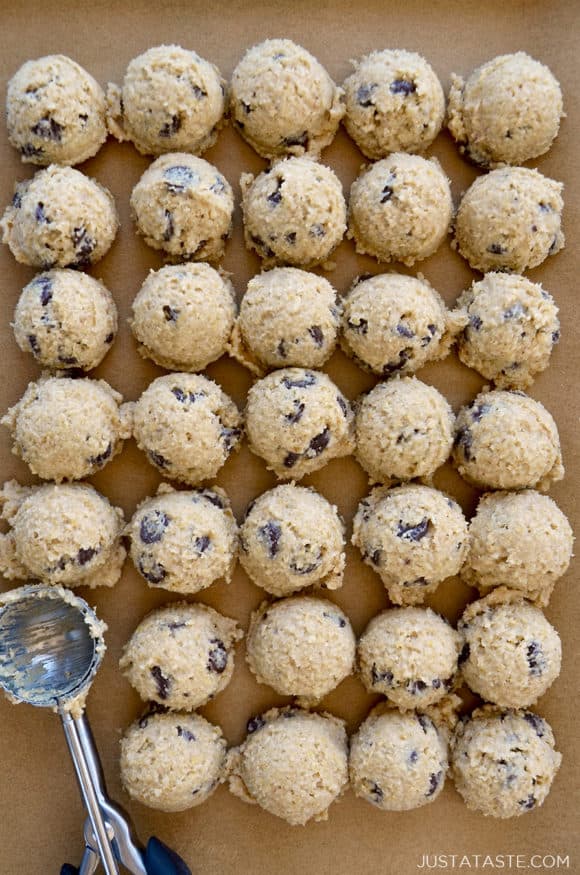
[(183, 316), (512, 325), (394, 103), (410, 656), (293, 763), (187, 426), (507, 111), (292, 538), (294, 212), (184, 541), (403, 429), (171, 100), (510, 653), (66, 428), (297, 420), (65, 318), (66, 534), (183, 205), (172, 761), (510, 219), (55, 112), (400, 208), (181, 655), (283, 102), (398, 761), (301, 646), (507, 440), (394, 323), (287, 317), (413, 536), (59, 218), (503, 762), (521, 540)]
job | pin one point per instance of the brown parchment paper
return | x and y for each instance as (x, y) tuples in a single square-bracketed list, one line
[(41, 814)]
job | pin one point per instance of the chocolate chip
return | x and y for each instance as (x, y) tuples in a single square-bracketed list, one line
[(528, 803), (465, 653), (418, 581), (425, 341), (198, 92), (153, 572), (413, 757), (402, 86), (291, 459), (479, 411), (103, 457), (84, 119), (261, 246), (386, 194), (555, 336), (298, 140), (158, 459), (413, 532), (315, 331), (434, 781), (364, 95), (307, 568), (170, 313), (230, 437), (342, 404), (270, 534), (424, 722), (246, 107), (178, 178), (404, 330), (336, 618), (464, 440), (180, 394), (317, 230), (553, 246), (162, 683), (17, 200), (291, 237), (545, 208), (432, 329), (475, 321), (393, 367), (381, 677), (201, 543), (213, 498), (497, 249), (254, 723), (416, 686), (40, 215), (85, 554), (281, 349), (536, 658), (174, 625), (361, 327), (45, 284), (536, 723), (34, 345), (169, 226), (170, 128), (185, 733), (319, 442), (48, 128), (276, 196), (30, 151), (84, 246), (217, 659), (309, 379), (153, 527), (515, 311), (376, 792), (374, 556), (71, 360), (296, 414)]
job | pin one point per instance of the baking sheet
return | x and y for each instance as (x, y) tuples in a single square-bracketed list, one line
[(41, 813)]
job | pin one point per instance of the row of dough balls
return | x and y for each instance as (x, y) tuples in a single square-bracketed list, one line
[(283, 102), (290, 539), (400, 209)]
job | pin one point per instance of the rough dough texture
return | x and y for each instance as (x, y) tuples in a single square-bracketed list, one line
[(521, 540), (413, 537), (187, 426), (294, 213), (394, 103), (403, 429), (287, 317), (66, 428), (510, 653), (507, 111), (511, 326), (181, 655), (171, 100), (59, 218), (394, 323), (283, 102), (301, 646), (183, 316), (400, 208), (293, 763), (507, 440), (510, 219), (55, 112), (184, 541), (297, 420), (66, 534), (398, 761), (292, 538), (183, 205), (172, 761), (410, 656), (503, 763), (65, 318)]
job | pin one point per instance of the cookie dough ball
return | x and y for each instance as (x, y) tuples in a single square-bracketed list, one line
[(398, 761), (403, 429), (510, 219), (512, 325), (183, 316), (297, 420), (507, 111), (394, 103), (503, 763), (171, 100), (400, 208), (172, 761), (181, 655), (413, 537), (292, 538), (66, 534), (187, 426), (67, 429), (184, 541), (287, 317), (293, 763), (283, 102), (507, 440), (59, 218), (65, 318), (294, 213), (521, 540), (183, 205), (55, 112)]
